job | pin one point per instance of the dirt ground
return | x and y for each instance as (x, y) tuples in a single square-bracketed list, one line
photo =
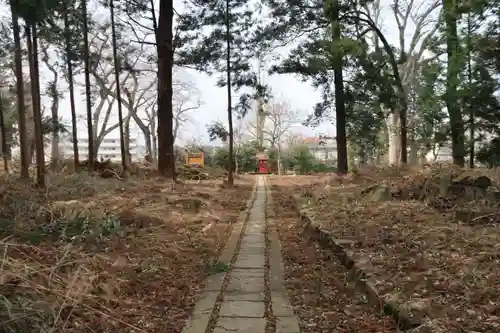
[(415, 251), (107, 255)]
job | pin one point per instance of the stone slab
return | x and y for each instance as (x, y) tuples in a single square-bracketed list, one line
[(242, 309), (214, 282), (257, 223), (260, 250), (250, 261), (232, 242), (277, 269), (255, 231), (256, 218), (255, 227), (281, 306), (205, 303), (250, 246), (253, 238), (240, 325), (249, 272), (197, 324), (287, 325), (251, 297), (246, 284)]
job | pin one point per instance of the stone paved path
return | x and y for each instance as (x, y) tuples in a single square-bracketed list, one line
[(247, 303)]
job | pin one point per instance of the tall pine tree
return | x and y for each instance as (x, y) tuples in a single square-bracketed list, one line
[(224, 50)]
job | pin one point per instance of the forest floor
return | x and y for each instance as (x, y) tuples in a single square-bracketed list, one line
[(106, 255), (413, 242), (323, 298)]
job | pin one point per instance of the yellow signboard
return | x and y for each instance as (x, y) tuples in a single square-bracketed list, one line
[(195, 159)]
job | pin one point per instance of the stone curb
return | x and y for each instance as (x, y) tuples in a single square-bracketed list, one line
[(401, 317), (205, 302)]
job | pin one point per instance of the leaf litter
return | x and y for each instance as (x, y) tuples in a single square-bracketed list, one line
[(317, 284), (412, 247), (107, 255)]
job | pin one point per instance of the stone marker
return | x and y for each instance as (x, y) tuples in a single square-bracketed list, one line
[(382, 193)]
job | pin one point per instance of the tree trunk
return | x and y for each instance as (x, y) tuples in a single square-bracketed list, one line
[(236, 165), (413, 144), (175, 131), (362, 155), (25, 163), (5, 151), (166, 158), (155, 150), (146, 133), (126, 137), (149, 144), (230, 176), (261, 119), (88, 94), (69, 64), (403, 123), (414, 160), (154, 143), (54, 110), (402, 111), (279, 158), (342, 162), (124, 151), (453, 69), (32, 42), (393, 128), (471, 108)]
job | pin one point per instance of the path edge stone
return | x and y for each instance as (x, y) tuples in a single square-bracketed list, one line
[(198, 321), (324, 238)]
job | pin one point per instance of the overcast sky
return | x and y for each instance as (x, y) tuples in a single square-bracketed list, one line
[(288, 88)]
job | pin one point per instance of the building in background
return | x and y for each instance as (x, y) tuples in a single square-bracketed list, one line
[(109, 149), (440, 155), (323, 148)]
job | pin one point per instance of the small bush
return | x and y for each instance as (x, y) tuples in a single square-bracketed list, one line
[(323, 168)]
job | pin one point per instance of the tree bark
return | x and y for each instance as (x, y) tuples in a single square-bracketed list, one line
[(453, 69), (25, 163), (342, 161), (69, 64), (32, 42), (472, 125), (166, 158), (5, 152), (54, 112), (230, 176), (394, 135), (402, 110), (146, 133), (124, 151), (88, 94), (154, 142), (261, 119), (126, 136), (279, 159), (149, 145)]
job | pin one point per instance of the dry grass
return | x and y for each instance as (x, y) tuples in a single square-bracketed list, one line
[(107, 255), (420, 256)]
